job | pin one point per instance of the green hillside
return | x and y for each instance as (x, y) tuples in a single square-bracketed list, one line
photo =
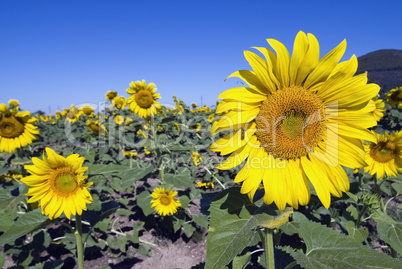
[(384, 67)]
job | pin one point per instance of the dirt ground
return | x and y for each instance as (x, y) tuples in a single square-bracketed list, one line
[(171, 255)]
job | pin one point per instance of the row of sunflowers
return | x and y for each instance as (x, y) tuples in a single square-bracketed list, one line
[(300, 134)]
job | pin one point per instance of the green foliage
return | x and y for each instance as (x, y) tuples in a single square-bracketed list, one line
[(326, 248)]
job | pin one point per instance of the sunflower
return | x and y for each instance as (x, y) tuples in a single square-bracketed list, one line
[(96, 127), (44, 118), (119, 102), (394, 97), (72, 114), (384, 155), (110, 95), (87, 110), (119, 120), (211, 117), (196, 158), (13, 103), (58, 184), (298, 118), (165, 202), (130, 154), (379, 108), (143, 99), (16, 129), (196, 127)]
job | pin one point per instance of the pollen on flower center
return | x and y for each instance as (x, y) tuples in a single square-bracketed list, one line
[(144, 98), (64, 181), (10, 127), (383, 151), (165, 199), (291, 123)]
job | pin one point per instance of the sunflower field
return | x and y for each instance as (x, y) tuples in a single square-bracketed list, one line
[(298, 168)]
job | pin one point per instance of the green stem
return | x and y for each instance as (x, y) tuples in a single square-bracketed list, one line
[(359, 217), (78, 238), (269, 248), (378, 191)]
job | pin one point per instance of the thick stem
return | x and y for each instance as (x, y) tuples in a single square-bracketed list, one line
[(78, 238), (269, 248)]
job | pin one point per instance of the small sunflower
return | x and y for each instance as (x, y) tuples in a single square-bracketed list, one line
[(110, 95), (58, 184), (119, 120), (378, 108), (211, 117), (196, 127), (299, 118), (384, 155), (13, 103), (44, 118), (143, 99), (119, 102), (165, 202), (130, 154), (196, 158), (96, 127), (87, 110), (72, 114), (394, 97), (16, 129)]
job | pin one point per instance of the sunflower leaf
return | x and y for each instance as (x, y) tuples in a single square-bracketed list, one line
[(391, 234), (234, 220), (326, 248), (25, 224)]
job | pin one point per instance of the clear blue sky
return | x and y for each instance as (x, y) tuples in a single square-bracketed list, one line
[(58, 53)]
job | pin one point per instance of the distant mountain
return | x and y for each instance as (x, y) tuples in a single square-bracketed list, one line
[(383, 67)]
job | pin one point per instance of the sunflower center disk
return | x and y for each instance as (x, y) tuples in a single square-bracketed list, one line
[(383, 151), (144, 99), (291, 123), (10, 127), (64, 181), (165, 200)]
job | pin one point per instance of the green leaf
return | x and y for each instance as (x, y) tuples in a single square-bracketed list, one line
[(358, 234), (25, 224), (94, 216), (352, 211), (391, 234), (201, 220), (5, 221), (144, 202), (326, 248), (117, 242), (397, 187), (188, 229), (239, 262), (182, 179), (8, 201), (2, 260), (233, 223)]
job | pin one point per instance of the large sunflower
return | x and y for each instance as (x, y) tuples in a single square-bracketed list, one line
[(16, 129), (165, 202), (384, 155), (58, 184), (143, 99), (299, 117)]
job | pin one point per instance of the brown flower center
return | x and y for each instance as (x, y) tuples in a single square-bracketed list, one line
[(11, 126), (383, 151), (165, 199), (291, 123), (144, 98)]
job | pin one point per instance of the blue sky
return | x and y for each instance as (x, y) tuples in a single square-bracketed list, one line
[(57, 53)]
